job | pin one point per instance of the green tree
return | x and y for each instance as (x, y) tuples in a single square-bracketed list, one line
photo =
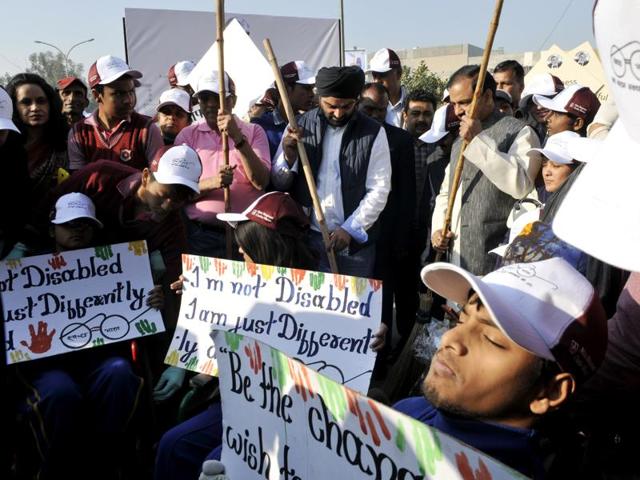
[(421, 78), (51, 66), (4, 79)]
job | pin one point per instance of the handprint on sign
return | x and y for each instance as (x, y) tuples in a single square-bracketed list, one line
[(255, 357), (297, 275), (252, 268), (104, 253), (57, 261), (237, 268), (138, 247), (301, 380), (220, 266), (340, 281), (19, 356), (187, 261), (267, 271), (205, 264), (191, 364), (375, 284), (316, 280), (208, 368), (467, 472), (172, 358), (282, 270), (15, 263), (358, 285), (366, 420), (41, 341)]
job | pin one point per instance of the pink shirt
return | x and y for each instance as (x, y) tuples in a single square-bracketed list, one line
[(208, 144)]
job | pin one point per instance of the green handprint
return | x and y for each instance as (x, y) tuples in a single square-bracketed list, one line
[(191, 364), (172, 358), (280, 367), (145, 327), (104, 252), (205, 264), (334, 397), (401, 437), (282, 270), (238, 268), (359, 285), (17, 356), (233, 340), (427, 447), (316, 280), (98, 341)]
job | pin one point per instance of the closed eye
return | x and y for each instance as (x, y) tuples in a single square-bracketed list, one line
[(493, 343)]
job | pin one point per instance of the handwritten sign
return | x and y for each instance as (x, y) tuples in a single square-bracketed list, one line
[(80, 299), (283, 420), (327, 321)]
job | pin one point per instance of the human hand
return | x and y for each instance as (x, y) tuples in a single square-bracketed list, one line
[(213, 470), (440, 242), (227, 124), (178, 285), (155, 298), (224, 178), (170, 382), (380, 338), (339, 239), (290, 145), (469, 128)]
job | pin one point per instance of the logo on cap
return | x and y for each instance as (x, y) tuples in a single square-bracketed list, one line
[(125, 154)]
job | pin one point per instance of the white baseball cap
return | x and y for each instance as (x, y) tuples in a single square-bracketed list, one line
[(6, 112), (545, 307), (445, 95), (73, 206), (179, 164), (556, 148), (444, 121), (604, 197), (108, 69), (209, 82), (175, 96), (179, 73), (384, 60), (298, 72), (542, 84)]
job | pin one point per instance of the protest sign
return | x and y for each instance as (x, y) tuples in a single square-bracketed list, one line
[(282, 420), (325, 320), (74, 300)]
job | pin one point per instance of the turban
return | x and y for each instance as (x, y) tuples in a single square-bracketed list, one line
[(340, 82)]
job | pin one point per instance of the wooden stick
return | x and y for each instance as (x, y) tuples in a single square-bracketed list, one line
[(302, 154), (457, 177), (222, 95)]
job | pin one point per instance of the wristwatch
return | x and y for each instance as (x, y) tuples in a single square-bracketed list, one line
[(241, 143)]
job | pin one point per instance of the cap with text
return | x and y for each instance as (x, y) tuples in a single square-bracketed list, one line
[(74, 206), (209, 82), (297, 72), (546, 307), (384, 60), (108, 69), (177, 165), (179, 73), (575, 99), (6, 112), (444, 121), (175, 96)]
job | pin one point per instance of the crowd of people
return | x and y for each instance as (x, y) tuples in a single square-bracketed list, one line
[(517, 375)]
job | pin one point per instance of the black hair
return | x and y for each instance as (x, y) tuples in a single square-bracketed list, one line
[(178, 191), (378, 87), (56, 129), (421, 96), (270, 247), (512, 65), (472, 71)]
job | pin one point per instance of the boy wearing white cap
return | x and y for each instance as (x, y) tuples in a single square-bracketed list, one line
[(114, 131), (173, 113)]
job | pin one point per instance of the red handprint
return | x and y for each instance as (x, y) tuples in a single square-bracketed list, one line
[(220, 266), (41, 341), (187, 261), (375, 284), (57, 261), (255, 357), (365, 418), (301, 380), (252, 268), (339, 281), (467, 472), (297, 275)]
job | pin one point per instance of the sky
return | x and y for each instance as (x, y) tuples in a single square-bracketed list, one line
[(370, 24)]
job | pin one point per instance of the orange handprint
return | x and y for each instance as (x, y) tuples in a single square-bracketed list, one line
[(255, 357), (208, 368), (301, 380), (219, 266), (467, 472), (297, 275), (187, 261), (41, 341), (365, 418), (375, 284), (252, 268), (339, 281)]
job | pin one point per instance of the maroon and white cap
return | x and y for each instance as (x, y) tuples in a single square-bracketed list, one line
[(384, 60), (297, 72), (444, 121), (575, 99), (274, 210), (545, 307), (542, 84), (179, 73), (108, 69)]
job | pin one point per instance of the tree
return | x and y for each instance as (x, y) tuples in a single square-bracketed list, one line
[(51, 66), (421, 78), (4, 79)]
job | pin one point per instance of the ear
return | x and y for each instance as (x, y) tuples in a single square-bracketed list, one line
[(146, 178), (553, 394), (96, 96), (578, 124)]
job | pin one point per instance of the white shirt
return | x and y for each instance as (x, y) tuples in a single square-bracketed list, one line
[(394, 112), (328, 184)]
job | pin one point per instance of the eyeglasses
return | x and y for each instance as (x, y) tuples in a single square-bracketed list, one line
[(619, 61)]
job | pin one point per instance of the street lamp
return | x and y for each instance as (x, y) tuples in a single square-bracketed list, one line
[(65, 55)]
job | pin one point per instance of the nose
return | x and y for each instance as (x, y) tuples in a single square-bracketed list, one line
[(454, 340)]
